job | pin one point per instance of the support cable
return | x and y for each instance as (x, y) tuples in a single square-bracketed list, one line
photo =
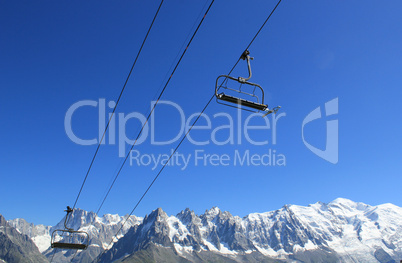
[(114, 110), (185, 136)]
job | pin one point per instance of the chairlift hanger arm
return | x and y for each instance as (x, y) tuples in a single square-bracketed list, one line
[(69, 210), (245, 56)]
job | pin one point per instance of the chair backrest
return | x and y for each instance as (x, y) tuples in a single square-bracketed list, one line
[(69, 239), (246, 95)]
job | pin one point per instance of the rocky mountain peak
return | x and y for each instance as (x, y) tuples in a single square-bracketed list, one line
[(17, 247), (187, 216), (214, 211), (156, 215), (3, 221)]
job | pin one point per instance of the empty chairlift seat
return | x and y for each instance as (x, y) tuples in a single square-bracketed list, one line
[(240, 93), (68, 238)]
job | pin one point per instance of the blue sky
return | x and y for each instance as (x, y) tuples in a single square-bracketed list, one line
[(54, 54)]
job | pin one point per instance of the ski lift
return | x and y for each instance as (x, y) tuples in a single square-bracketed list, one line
[(68, 238), (252, 94)]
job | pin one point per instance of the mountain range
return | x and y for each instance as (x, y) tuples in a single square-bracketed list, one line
[(340, 231)]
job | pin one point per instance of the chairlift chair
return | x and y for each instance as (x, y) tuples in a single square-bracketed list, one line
[(249, 99), (68, 238)]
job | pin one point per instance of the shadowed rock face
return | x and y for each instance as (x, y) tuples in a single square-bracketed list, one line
[(16, 247)]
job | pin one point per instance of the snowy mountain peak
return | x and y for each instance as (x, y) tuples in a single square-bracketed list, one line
[(156, 215), (39, 234), (348, 205), (3, 221), (109, 219), (345, 203), (186, 212), (77, 219), (186, 216), (212, 213), (214, 210), (341, 200), (16, 246), (389, 207)]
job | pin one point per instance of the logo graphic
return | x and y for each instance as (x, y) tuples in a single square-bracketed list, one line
[(330, 153), (220, 126)]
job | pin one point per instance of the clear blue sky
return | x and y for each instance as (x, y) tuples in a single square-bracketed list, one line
[(56, 53)]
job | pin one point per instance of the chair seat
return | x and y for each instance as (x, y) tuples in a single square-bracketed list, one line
[(68, 245), (242, 102)]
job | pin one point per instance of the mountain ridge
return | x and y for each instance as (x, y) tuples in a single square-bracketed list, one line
[(102, 228), (17, 247), (338, 231)]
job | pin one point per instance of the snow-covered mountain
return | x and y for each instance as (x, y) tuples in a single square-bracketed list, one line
[(39, 234), (16, 247), (100, 229), (340, 231)]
